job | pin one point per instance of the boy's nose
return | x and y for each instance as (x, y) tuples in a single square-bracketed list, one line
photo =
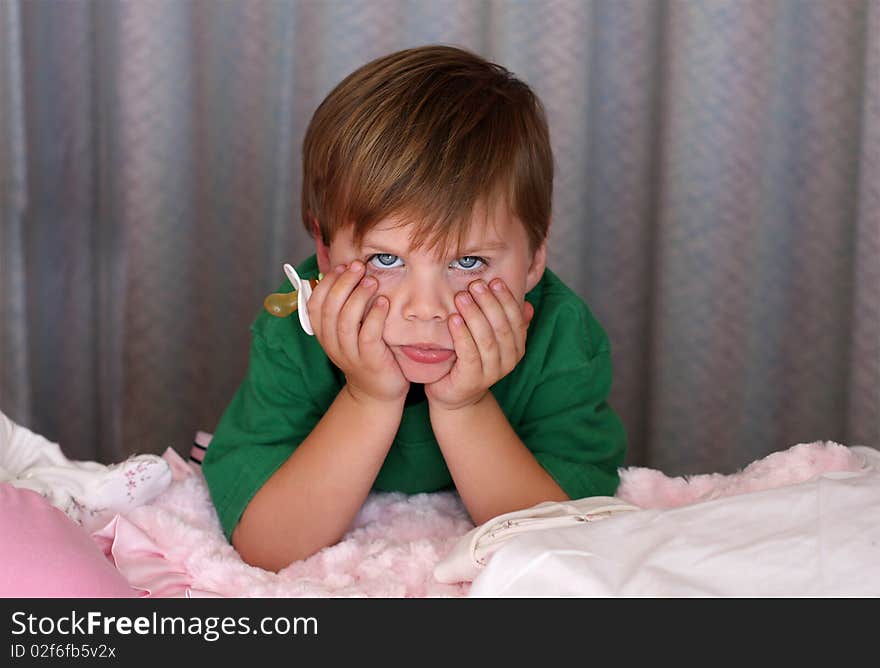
[(426, 299)]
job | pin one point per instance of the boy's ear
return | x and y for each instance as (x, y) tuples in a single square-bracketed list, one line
[(322, 250), (537, 267)]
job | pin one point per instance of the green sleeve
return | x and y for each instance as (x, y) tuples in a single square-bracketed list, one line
[(272, 412), (567, 423)]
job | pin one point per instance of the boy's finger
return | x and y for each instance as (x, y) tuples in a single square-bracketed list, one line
[(516, 312), (466, 351), (499, 320), (512, 308), (316, 302), (481, 332), (370, 341), (348, 323), (337, 295), (490, 305)]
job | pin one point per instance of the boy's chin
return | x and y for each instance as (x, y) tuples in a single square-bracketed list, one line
[(424, 373)]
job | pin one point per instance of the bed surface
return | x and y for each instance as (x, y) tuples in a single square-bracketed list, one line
[(801, 522)]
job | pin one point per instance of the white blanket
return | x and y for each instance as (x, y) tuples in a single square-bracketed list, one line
[(473, 550), (820, 537)]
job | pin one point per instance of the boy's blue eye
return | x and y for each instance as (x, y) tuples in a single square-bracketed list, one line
[(385, 260), (468, 263)]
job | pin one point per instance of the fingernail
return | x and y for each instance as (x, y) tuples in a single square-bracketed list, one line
[(340, 268), (368, 282), (479, 287), (355, 266), (497, 285), (464, 299), (457, 321)]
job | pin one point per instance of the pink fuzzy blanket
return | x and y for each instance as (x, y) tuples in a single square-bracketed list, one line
[(174, 546)]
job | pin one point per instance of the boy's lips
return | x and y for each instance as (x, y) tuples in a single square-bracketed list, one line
[(427, 353)]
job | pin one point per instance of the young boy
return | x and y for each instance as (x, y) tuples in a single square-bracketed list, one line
[(427, 184)]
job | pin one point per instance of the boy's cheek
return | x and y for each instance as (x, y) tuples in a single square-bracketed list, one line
[(378, 274)]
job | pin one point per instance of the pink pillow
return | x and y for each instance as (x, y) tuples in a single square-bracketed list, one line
[(45, 554)]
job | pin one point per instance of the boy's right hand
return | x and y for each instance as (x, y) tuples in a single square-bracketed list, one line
[(350, 328)]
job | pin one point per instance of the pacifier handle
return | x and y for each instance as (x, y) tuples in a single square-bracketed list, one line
[(282, 304)]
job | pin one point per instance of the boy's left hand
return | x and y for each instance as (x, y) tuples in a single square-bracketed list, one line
[(489, 336)]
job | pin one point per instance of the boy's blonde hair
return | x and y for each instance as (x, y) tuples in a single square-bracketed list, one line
[(426, 134)]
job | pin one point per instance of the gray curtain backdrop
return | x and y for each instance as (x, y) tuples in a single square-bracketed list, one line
[(717, 203)]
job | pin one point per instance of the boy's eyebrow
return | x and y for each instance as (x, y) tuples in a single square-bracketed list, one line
[(368, 245), (379, 248), (487, 246)]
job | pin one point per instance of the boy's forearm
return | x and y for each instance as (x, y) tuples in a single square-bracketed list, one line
[(494, 472), (311, 500)]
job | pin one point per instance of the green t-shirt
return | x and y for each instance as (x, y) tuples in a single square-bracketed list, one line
[(555, 400)]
